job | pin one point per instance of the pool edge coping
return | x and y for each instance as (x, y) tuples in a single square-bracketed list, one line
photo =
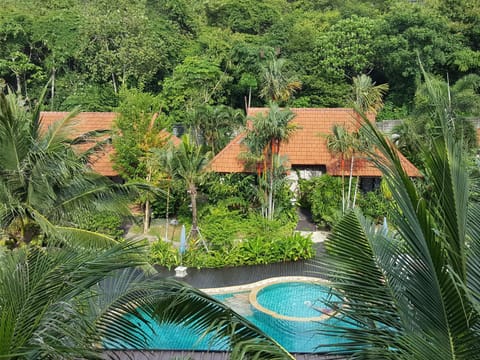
[(251, 286), (255, 287)]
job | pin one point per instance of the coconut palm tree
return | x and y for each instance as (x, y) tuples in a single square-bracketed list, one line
[(367, 97), (412, 292), (264, 138), (339, 144), (44, 185), (277, 85), (69, 302), (189, 165), (215, 126)]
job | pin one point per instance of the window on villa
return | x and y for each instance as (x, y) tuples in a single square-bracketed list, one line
[(369, 184)]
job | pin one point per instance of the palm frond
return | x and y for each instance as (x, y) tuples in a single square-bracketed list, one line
[(421, 306), (39, 293), (170, 301)]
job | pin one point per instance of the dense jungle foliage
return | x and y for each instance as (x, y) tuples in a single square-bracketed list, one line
[(193, 53)]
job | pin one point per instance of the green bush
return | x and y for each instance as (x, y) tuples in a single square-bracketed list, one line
[(375, 205), (323, 196), (238, 190), (234, 239), (220, 226), (107, 223), (253, 251), (165, 254), (176, 196)]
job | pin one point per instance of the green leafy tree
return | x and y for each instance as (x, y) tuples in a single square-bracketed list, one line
[(19, 64), (139, 127), (195, 82), (409, 30), (245, 16), (340, 52), (401, 289), (120, 44)]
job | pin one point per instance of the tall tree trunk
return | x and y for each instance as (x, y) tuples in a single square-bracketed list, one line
[(350, 182), (343, 184), (193, 199), (114, 82), (356, 190), (148, 209), (52, 88), (166, 214), (270, 197), (147, 214), (19, 83), (270, 182)]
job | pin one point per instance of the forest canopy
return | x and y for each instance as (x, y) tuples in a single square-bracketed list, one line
[(198, 53)]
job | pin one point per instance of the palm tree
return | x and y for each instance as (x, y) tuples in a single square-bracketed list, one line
[(338, 144), (264, 139), (215, 125), (412, 292), (189, 165), (367, 97), (463, 103), (277, 85), (44, 185), (68, 302)]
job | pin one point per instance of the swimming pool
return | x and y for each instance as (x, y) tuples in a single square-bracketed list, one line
[(290, 310)]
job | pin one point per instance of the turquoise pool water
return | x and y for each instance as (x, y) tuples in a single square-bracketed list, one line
[(296, 299)]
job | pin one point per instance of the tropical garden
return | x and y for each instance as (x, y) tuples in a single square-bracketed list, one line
[(402, 260)]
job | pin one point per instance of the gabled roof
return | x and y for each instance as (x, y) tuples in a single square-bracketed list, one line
[(85, 122), (307, 146)]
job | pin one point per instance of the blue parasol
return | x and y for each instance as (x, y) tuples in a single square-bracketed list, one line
[(385, 225), (183, 240)]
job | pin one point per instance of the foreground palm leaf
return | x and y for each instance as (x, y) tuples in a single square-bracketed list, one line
[(66, 302), (170, 301), (43, 182), (412, 292)]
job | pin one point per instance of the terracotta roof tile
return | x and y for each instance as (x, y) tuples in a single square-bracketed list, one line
[(85, 122), (307, 145)]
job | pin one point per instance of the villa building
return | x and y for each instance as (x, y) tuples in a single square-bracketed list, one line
[(85, 122), (306, 150)]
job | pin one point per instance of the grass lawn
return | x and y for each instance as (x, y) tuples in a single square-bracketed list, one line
[(158, 229)]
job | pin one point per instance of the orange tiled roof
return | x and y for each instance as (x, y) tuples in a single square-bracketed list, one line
[(85, 122), (307, 145)]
